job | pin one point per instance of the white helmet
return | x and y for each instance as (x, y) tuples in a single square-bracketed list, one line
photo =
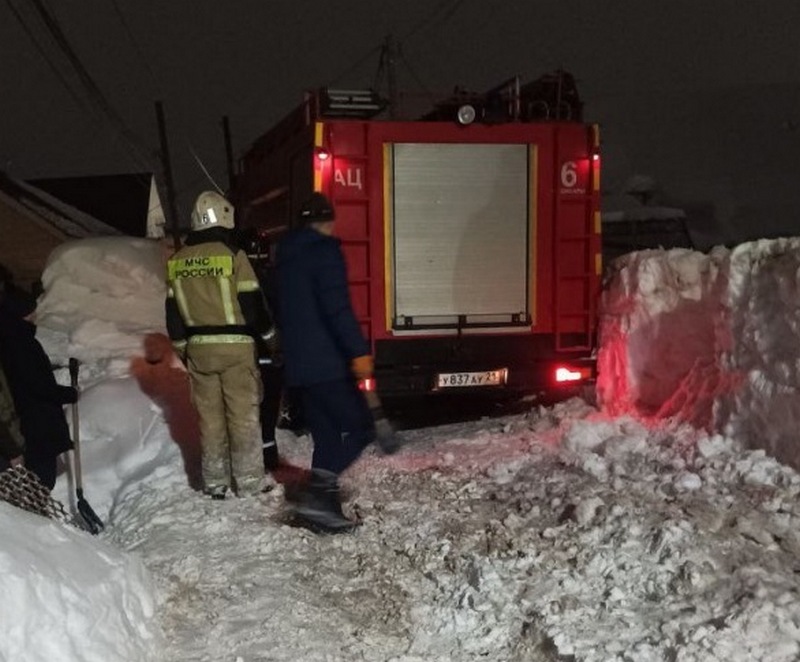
[(211, 210)]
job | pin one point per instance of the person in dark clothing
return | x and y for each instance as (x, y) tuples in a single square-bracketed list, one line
[(324, 354), (38, 398), (12, 444), (270, 368), (269, 408)]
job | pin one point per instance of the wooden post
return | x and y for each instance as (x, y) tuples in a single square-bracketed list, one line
[(226, 130), (171, 212)]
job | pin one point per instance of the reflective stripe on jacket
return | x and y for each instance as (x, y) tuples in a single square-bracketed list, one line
[(213, 296)]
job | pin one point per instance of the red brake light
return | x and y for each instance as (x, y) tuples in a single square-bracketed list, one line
[(367, 384), (567, 374)]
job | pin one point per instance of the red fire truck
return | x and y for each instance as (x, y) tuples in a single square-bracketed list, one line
[(472, 235)]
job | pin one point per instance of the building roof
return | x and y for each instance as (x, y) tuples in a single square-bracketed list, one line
[(62, 217), (121, 201)]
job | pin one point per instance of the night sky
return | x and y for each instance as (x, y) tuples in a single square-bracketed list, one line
[(703, 95)]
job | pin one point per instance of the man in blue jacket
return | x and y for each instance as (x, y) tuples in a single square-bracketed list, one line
[(324, 354)]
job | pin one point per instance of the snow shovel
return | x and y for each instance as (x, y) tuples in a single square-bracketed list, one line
[(93, 523), (385, 435)]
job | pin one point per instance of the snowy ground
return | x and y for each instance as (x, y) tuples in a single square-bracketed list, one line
[(534, 537), (553, 535)]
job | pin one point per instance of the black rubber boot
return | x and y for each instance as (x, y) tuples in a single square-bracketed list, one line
[(320, 507)]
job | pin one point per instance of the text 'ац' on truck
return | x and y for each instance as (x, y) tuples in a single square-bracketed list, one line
[(471, 235)]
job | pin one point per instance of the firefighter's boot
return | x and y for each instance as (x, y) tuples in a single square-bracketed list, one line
[(320, 506), (254, 485), (216, 492)]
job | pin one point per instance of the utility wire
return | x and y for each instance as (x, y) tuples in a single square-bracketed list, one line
[(94, 91), (356, 64), (442, 6), (430, 20), (146, 64), (445, 19), (203, 168), (135, 144), (80, 103), (438, 17), (37, 44), (139, 52), (143, 60), (416, 78)]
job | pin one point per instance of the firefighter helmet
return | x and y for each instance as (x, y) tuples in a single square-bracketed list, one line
[(211, 210), (317, 208)]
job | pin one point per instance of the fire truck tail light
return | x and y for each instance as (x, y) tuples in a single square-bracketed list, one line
[(367, 384), (565, 374), (323, 154)]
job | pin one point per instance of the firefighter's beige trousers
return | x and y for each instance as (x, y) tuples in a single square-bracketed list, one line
[(226, 391)]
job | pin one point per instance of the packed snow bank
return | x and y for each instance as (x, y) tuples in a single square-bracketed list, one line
[(101, 296), (713, 340), (103, 303), (659, 355), (554, 535), (560, 534), (763, 304), (123, 437), (68, 597)]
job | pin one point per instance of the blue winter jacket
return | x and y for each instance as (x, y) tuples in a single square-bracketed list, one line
[(319, 331)]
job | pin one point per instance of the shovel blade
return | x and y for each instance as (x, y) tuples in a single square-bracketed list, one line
[(93, 523)]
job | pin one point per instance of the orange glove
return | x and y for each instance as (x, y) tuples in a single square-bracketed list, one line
[(362, 366)]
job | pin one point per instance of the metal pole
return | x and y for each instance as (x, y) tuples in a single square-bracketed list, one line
[(226, 130), (172, 214), (391, 77)]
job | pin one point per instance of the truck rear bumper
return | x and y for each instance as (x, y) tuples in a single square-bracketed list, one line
[(529, 365)]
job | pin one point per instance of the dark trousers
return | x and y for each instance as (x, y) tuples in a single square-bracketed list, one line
[(340, 423), (269, 409), (43, 465)]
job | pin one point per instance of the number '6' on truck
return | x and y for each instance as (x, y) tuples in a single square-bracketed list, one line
[(471, 235)]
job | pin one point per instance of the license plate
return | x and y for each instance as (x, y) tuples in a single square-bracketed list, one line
[(462, 379)]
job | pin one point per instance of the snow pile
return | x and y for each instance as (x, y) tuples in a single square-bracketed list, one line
[(124, 436), (68, 596), (555, 535), (763, 305), (658, 339), (558, 534), (100, 297), (713, 340)]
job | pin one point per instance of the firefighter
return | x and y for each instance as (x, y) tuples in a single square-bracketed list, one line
[(215, 310), (324, 354)]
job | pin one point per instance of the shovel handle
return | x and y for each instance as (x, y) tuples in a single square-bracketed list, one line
[(74, 366)]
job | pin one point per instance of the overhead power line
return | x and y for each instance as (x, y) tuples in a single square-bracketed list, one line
[(439, 16), (136, 146), (139, 52), (48, 60)]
